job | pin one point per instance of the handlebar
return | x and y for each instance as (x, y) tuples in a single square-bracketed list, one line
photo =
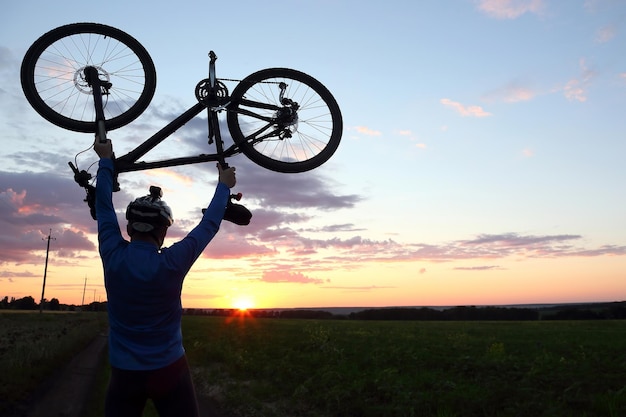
[(81, 177)]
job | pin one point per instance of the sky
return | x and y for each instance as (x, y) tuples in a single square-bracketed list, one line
[(481, 161)]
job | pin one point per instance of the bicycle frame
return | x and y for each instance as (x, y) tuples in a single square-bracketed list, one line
[(211, 102)]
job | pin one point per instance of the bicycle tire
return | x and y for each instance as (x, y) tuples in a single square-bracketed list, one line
[(314, 136), (51, 76)]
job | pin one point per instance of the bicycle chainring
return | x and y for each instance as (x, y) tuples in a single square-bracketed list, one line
[(204, 94)]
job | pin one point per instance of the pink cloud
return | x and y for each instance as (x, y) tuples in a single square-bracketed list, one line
[(471, 111), (513, 92), (286, 277), (576, 88), (605, 34), (367, 131), (510, 9)]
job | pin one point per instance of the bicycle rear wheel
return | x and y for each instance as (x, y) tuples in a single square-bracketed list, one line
[(291, 130), (54, 84)]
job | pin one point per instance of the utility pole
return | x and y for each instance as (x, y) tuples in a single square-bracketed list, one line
[(82, 303), (45, 271)]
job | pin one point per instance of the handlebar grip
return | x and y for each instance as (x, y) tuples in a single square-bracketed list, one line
[(74, 169)]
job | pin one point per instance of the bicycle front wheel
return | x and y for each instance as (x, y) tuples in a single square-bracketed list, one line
[(284, 120), (53, 76)]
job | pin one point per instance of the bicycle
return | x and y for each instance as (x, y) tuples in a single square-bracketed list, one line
[(94, 78)]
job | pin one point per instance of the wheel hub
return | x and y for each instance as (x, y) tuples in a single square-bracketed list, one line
[(287, 120), (80, 81)]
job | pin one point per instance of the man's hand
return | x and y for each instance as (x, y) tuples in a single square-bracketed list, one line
[(103, 149), (227, 176)]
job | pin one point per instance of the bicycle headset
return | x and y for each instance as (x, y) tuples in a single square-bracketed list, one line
[(148, 212)]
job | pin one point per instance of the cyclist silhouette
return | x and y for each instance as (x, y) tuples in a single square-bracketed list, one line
[(143, 283)]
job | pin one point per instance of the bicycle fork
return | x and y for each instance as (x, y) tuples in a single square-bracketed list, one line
[(97, 87), (83, 177)]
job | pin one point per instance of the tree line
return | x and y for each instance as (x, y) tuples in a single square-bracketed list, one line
[(29, 303), (595, 311)]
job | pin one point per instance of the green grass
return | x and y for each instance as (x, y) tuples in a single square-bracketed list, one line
[(269, 367), (33, 346), (309, 368)]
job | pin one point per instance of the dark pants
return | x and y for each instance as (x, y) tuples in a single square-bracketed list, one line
[(170, 389)]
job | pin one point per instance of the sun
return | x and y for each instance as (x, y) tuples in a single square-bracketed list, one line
[(243, 303)]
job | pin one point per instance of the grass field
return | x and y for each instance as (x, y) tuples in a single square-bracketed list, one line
[(33, 346), (282, 367), (358, 368)]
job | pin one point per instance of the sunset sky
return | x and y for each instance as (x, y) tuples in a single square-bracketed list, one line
[(482, 158)]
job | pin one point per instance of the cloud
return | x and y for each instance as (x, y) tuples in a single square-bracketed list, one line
[(9, 275), (230, 246), (512, 92), (30, 205), (161, 174), (295, 191), (472, 111), (575, 91), (510, 9), (605, 34), (366, 131), (518, 91), (576, 88), (289, 277), (306, 254), (486, 246), (334, 228), (477, 268)]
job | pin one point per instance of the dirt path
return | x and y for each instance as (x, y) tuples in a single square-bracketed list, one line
[(67, 395)]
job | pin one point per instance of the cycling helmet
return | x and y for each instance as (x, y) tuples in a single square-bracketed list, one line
[(146, 213)]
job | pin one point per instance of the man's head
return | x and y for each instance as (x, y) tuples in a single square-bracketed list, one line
[(149, 217)]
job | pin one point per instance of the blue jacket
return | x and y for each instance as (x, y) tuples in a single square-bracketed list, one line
[(144, 283)]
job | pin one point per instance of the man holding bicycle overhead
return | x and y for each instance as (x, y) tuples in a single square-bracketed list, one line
[(143, 283)]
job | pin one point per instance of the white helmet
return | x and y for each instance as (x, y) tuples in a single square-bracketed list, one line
[(146, 213)]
